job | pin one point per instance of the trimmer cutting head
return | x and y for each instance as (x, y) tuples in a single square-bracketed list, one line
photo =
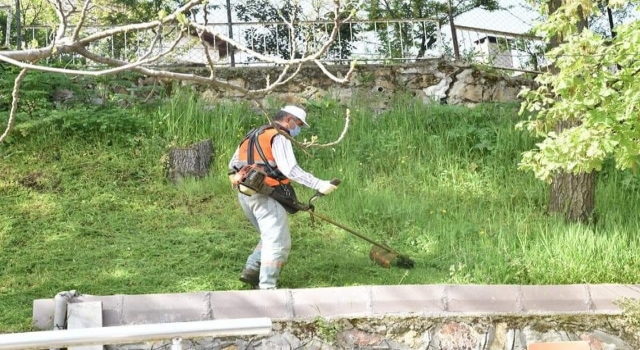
[(387, 259)]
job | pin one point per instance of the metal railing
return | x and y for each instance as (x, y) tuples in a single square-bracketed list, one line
[(367, 41), (135, 334), (512, 51)]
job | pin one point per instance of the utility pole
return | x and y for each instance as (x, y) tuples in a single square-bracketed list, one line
[(230, 23), (454, 35)]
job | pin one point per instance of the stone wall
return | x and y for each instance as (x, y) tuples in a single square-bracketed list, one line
[(430, 80), (433, 317), (433, 80), (480, 333)]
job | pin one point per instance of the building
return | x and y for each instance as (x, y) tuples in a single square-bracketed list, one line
[(494, 50)]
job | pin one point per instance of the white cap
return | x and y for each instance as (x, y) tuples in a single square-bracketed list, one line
[(297, 112)]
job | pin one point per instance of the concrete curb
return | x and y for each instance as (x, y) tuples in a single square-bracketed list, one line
[(354, 302)]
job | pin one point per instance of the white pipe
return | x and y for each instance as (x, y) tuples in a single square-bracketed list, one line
[(134, 333), (60, 310)]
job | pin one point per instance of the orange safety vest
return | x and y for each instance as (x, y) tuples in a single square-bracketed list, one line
[(265, 138)]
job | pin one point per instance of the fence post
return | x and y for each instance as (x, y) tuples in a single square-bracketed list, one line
[(454, 35), (230, 23), (18, 25)]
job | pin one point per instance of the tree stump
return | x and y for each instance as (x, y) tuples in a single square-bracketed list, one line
[(193, 161)]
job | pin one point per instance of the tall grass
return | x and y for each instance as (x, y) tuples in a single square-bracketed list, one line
[(439, 183), (442, 182)]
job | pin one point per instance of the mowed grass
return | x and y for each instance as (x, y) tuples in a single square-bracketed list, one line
[(91, 211)]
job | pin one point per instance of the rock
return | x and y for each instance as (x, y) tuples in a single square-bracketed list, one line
[(425, 340), (516, 340), (317, 344), (499, 339), (381, 329), (390, 345), (437, 92), (489, 337), (343, 95), (62, 95), (344, 324), (411, 338), (96, 101), (605, 341), (356, 338), (455, 335), (281, 341), (533, 336)]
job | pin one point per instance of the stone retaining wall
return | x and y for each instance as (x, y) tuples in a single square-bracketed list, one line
[(447, 317), (431, 80)]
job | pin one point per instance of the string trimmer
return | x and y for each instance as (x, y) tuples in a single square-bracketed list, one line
[(381, 254)]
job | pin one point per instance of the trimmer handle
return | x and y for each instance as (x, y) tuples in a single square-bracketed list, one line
[(334, 181)]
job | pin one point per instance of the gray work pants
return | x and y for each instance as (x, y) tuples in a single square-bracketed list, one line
[(272, 251)]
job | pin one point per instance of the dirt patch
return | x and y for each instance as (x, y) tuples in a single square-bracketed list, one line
[(41, 182)]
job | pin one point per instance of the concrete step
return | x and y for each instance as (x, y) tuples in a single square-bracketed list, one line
[(85, 315)]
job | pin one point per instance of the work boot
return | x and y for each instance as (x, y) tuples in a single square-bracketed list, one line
[(250, 277)]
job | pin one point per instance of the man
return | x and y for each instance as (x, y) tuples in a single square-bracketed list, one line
[(274, 153)]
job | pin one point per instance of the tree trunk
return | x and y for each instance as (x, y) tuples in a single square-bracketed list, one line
[(194, 160), (571, 195)]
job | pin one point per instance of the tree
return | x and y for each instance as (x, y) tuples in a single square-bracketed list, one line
[(42, 19), (282, 39), (402, 36), (585, 108), (606, 18), (71, 39), (276, 39)]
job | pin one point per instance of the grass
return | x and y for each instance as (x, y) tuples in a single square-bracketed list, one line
[(87, 208)]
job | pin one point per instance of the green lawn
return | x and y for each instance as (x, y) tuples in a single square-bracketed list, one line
[(86, 207)]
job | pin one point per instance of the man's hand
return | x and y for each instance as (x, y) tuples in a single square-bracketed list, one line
[(326, 187), (233, 180)]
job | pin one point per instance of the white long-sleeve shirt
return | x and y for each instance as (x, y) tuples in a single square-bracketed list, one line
[(285, 159)]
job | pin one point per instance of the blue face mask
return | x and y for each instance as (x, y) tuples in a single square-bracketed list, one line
[(295, 131)]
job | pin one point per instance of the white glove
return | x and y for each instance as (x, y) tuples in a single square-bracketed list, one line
[(326, 187), (232, 180)]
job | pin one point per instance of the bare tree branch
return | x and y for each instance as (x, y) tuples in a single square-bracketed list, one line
[(321, 51), (167, 74), (140, 26), (73, 47), (15, 94), (292, 30), (305, 145), (123, 67), (347, 119), (280, 80), (77, 44), (63, 21), (83, 15), (333, 77)]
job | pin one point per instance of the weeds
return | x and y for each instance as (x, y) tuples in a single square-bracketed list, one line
[(439, 183)]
